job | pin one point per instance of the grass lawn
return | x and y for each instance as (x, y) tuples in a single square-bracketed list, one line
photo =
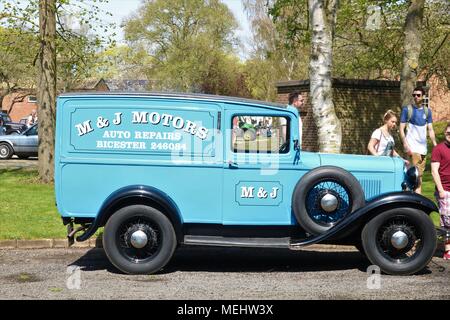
[(27, 209)]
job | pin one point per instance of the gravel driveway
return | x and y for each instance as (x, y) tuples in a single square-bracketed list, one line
[(212, 273)]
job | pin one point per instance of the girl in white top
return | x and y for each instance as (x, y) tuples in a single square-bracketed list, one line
[(382, 142)]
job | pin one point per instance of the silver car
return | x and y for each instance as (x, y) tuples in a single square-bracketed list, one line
[(23, 145)]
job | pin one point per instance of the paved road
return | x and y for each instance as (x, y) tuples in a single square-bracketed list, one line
[(15, 163), (212, 273)]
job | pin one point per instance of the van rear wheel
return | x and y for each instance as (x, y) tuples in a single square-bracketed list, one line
[(139, 239)]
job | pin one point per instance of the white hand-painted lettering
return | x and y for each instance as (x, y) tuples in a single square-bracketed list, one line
[(117, 134), (140, 117), (178, 123), (155, 118), (144, 117), (155, 135), (121, 145), (118, 118), (274, 192), (247, 192), (84, 128), (262, 194), (166, 119), (190, 127), (102, 122)]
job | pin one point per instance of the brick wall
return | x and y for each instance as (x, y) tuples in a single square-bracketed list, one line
[(19, 109), (360, 106), (439, 96)]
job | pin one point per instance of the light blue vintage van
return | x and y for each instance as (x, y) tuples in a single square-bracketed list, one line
[(160, 170)]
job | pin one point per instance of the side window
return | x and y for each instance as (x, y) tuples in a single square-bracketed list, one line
[(260, 134), (32, 131)]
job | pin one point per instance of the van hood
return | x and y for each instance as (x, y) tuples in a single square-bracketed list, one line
[(386, 172), (351, 162)]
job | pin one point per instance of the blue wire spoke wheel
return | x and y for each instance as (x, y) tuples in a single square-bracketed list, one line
[(341, 207), (324, 197)]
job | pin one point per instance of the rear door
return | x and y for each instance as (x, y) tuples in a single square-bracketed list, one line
[(106, 143)]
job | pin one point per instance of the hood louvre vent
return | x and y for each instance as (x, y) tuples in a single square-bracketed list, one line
[(371, 188)]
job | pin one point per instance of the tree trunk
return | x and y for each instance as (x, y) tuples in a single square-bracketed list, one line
[(412, 45), (322, 15), (46, 89)]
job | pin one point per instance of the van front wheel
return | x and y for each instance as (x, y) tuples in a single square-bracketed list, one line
[(400, 241), (139, 239)]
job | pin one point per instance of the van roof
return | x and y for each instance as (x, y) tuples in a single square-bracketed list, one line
[(190, 96)]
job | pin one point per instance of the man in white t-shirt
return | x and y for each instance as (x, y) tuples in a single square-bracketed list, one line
[(419, 119), (32, 118)]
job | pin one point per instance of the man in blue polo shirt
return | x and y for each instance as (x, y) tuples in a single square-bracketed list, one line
[(417, 119)]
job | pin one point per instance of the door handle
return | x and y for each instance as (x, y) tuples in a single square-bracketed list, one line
[(296, 145)]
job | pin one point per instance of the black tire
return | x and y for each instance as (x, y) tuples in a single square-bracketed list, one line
[(149, 259), (313, 186), (421, 241), (6, 152)]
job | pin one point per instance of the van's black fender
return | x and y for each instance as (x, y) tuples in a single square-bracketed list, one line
[(360, 217), (136, 194)]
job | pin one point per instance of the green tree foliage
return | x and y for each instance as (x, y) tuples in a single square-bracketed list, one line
[(435, 55), (77, 47), (273, 57), (368, 39), (372, 34), (120, 62), (58, 47), (16, 70), (187, 45)]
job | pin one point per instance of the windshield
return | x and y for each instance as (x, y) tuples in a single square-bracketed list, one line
[(31, 132)]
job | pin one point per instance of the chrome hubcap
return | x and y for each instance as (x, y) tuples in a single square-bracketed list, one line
[(139, 239), (329, 202), (399, 240)]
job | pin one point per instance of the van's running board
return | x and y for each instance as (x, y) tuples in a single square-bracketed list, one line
[(238, 242)]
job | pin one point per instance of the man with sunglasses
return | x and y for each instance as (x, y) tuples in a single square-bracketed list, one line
[(440, 169), (417, 119)]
